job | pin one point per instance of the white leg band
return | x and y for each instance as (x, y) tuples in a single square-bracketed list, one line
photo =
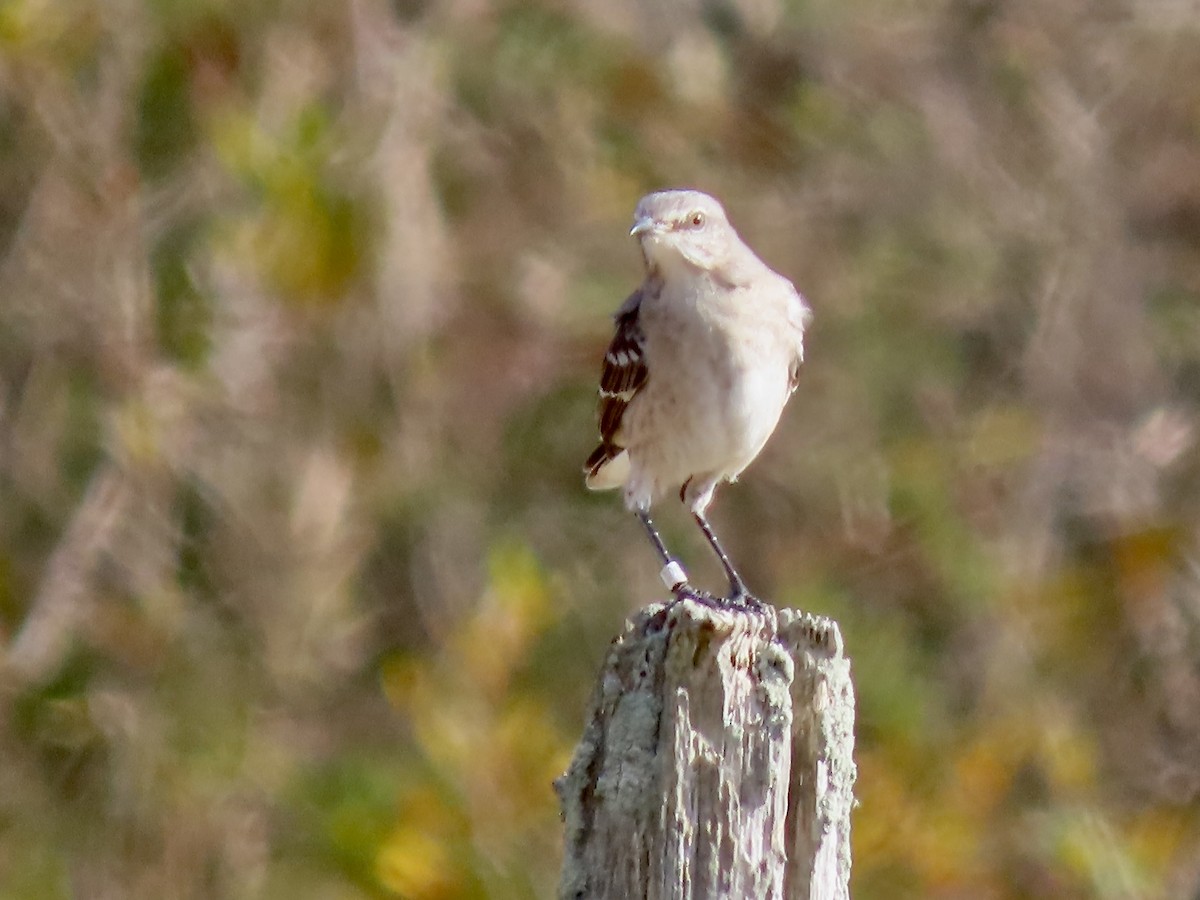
[(673, 575)]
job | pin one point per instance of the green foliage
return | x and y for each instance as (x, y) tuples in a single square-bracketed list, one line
[(166, 126), (184, 314)]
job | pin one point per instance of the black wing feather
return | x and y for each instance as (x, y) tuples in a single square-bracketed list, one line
[(623, 375)]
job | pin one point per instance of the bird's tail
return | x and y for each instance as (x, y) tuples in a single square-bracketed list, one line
[(606, 468)]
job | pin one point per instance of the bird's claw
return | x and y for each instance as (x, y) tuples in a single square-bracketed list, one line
[(740, 601), (686, 591), (744, 600)]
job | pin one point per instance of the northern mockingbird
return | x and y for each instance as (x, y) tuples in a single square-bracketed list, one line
[(705, 355)]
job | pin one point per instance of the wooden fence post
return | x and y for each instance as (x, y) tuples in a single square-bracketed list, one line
[(717, 761)]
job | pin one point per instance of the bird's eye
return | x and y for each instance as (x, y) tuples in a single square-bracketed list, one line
[(697, 219)]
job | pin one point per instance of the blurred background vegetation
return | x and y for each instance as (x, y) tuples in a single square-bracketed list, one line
[(301, 310)]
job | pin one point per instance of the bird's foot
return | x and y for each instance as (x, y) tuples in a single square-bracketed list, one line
[(687, 592), (741, 599), (675, 578)]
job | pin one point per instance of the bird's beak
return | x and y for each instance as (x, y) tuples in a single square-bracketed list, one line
[(641, 226)]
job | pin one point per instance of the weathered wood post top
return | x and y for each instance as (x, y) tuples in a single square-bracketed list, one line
[(717, 761)]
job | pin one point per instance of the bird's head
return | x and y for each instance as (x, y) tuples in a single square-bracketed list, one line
[(691, 226)]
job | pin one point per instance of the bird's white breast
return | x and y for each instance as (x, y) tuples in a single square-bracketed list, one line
[(718, 364)]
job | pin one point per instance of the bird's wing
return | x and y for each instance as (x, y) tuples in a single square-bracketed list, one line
[(624, 371), (623, 375), (799, 315)]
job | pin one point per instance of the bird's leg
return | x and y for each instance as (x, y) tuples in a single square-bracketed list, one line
[(672, 574), (655, 537), (737, 587)]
